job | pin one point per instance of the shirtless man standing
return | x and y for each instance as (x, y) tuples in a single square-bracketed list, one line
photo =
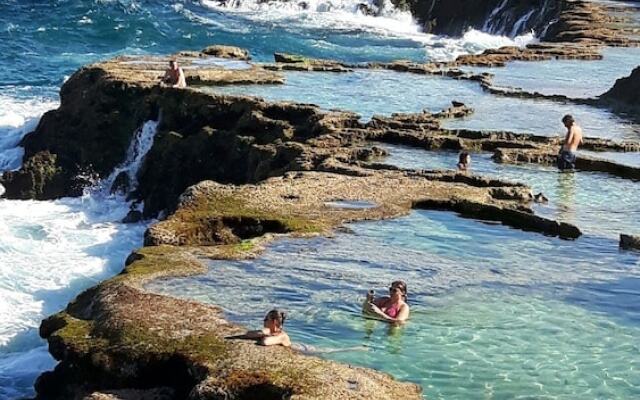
[(174, 76), (567, 155)]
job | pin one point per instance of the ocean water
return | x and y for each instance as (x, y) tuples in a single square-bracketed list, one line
[(51, 251)]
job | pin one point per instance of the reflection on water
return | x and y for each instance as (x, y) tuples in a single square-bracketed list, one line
[(496, 312), (596, 202), (566, 192)]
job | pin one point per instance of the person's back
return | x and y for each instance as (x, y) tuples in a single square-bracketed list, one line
[(574, 138)]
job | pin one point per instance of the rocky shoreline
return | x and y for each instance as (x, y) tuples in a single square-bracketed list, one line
[(107, 340), (233, 173)]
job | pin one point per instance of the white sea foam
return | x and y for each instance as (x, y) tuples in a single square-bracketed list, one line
[(347, 16), (52, 250), (46, 246), (474, 41), (140, 145), (17, 118), (338, 15)]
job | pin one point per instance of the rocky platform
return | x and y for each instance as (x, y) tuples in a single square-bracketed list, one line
[(277, 169)]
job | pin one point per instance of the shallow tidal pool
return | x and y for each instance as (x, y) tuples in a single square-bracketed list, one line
[(497, 313), (370, 92), (598, 203)]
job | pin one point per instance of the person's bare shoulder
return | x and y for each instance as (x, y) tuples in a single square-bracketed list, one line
[(577, 129)]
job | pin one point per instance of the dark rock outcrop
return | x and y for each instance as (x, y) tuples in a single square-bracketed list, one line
[(629, 242), (580, 21), (625, 92), (39, 178), (454, 17)]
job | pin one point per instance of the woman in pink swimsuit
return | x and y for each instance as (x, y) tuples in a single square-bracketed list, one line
[(392, 308)]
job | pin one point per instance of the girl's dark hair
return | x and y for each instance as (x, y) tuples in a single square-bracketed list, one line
[(276, 315), (462, 159), (401, 285)]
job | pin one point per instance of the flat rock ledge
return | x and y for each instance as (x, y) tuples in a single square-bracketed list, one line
[(548, 156)]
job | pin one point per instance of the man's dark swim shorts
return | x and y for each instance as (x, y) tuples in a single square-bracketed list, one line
[(566, 160)]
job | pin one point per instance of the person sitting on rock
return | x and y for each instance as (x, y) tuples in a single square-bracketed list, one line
[(272, 333), (174, 76), (464, 161), (392, 308), (567, 155)]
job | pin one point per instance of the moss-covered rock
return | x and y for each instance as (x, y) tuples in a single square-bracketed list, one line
[(37, 179)]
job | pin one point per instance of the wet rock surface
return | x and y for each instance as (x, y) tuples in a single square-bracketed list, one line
[(579, 21)]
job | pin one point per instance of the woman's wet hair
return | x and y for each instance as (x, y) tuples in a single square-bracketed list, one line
[(462, 159), (276, 315), (400, 285)]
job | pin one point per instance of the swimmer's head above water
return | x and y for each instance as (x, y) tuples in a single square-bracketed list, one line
[(274, 320), (397, 290)]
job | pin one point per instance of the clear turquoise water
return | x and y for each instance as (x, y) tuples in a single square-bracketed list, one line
[(496, 313), (597, 203)]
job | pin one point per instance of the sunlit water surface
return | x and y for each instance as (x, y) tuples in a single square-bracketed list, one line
[(496, 313)]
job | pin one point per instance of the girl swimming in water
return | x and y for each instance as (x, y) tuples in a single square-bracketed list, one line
[(272, 332)]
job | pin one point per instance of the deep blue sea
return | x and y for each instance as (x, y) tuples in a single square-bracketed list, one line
[(499, 314)]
